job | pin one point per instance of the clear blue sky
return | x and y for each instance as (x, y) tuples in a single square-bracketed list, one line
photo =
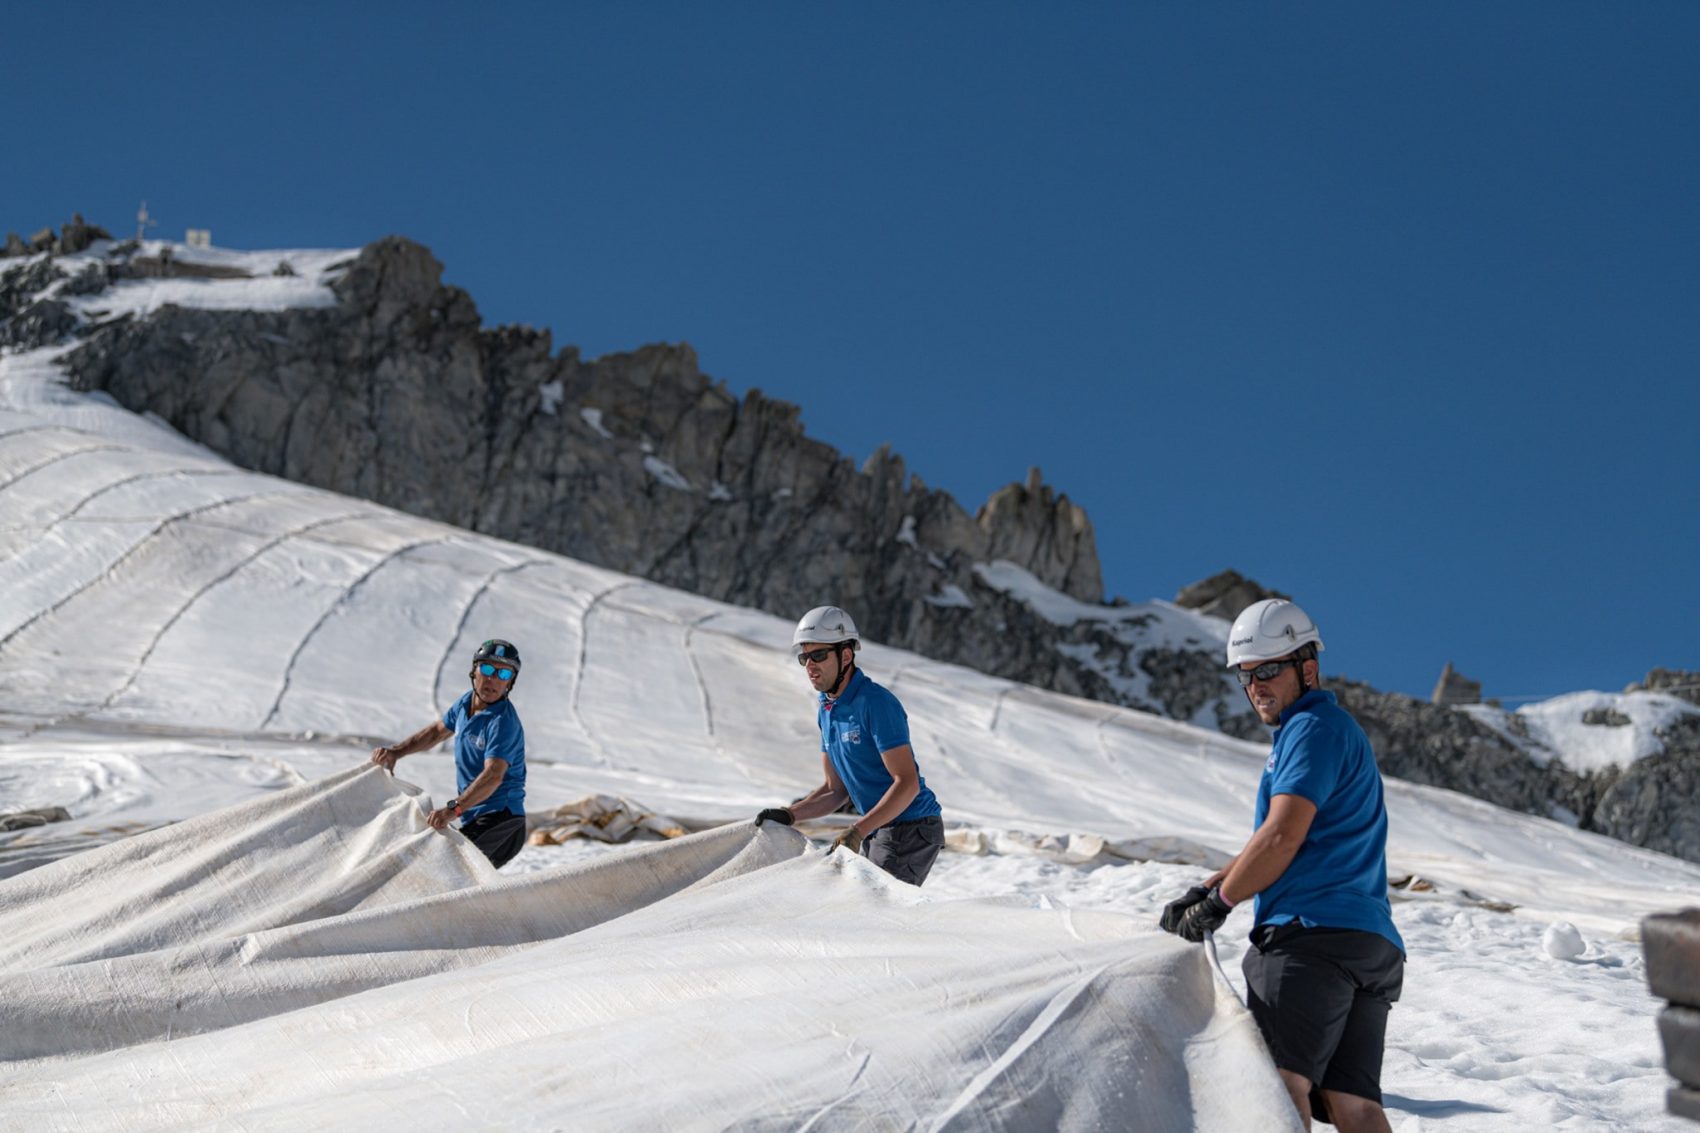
[(1393, 307)]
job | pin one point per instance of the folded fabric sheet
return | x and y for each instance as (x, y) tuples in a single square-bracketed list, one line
[(320, 959)]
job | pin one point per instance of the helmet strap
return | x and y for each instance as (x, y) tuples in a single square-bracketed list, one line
[(843, 669)]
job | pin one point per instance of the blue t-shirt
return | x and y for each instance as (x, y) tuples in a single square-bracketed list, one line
[(1338, 879), (865, 720), (494, 733)]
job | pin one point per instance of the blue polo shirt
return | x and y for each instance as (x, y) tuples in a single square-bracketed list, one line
[(494, 733), (865, 720), (1338, 879)]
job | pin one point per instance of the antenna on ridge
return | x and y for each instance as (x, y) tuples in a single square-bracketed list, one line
[(143, 222)]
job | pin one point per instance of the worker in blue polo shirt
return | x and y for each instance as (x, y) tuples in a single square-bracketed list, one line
[(489, 756), (865, 755), (1325, 963)]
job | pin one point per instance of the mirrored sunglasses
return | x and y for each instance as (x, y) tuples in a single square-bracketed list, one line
[(1264, 672), (490, 670), (816, 655)]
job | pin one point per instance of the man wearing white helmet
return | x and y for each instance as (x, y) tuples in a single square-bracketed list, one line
[(1326, 963), (865, 755)]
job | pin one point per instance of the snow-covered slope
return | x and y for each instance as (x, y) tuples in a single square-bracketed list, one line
[(177, 635), (152, 588)]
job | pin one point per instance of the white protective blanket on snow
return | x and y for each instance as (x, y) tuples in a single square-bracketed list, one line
[(319, 959)]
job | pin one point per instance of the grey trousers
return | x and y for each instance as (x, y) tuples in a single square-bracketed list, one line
[(906, 850)]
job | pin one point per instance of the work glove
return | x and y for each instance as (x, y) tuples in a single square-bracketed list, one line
[(1206, 916), (851, 840), (776, 814), (1174, 910)]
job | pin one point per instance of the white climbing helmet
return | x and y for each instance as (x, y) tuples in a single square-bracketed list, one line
[(827, 625), (1269, 629)]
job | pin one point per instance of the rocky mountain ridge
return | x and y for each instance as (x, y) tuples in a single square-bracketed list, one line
[(393, 390)]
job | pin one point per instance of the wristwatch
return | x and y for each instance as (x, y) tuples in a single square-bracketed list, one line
[(454, 805)]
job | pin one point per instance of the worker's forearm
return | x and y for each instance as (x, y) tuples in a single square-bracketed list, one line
[(482, 787), (824, 799), (1258, 866), (429, 736)]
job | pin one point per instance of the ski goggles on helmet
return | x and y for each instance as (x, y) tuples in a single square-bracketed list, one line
[(817, 655), (501, 671), (1267, 671)]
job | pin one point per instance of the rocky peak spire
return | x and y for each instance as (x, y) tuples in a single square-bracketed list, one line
[(1046, 533)]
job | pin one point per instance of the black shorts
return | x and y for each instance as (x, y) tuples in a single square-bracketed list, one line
[(906, 850), (498, 835), (1321, 996)]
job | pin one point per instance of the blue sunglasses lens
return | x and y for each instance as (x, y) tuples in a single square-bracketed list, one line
[(490, 670)]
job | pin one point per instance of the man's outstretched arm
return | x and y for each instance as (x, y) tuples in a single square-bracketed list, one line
[(429, 736)]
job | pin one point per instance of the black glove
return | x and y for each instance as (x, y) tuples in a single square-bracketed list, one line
[(1206, 916), (1173, 911), (776, 814)]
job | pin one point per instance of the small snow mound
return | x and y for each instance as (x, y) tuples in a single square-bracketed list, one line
[(1562, 941)]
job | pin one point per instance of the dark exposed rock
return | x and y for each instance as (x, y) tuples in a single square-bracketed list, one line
[(43, 322), (22, 285), (1224, 595), (1651, 803), (1606, 717), (78, 235)]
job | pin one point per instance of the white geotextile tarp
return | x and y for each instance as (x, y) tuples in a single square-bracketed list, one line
[(320, 959)]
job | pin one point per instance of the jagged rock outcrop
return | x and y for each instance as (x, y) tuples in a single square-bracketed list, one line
[(1224, 595), (1677, 682), (73, 237), (1454, 687), (1031, 525)]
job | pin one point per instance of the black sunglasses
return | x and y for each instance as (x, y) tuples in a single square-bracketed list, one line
[(817, 655), (1264, 672), (490, 670)]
